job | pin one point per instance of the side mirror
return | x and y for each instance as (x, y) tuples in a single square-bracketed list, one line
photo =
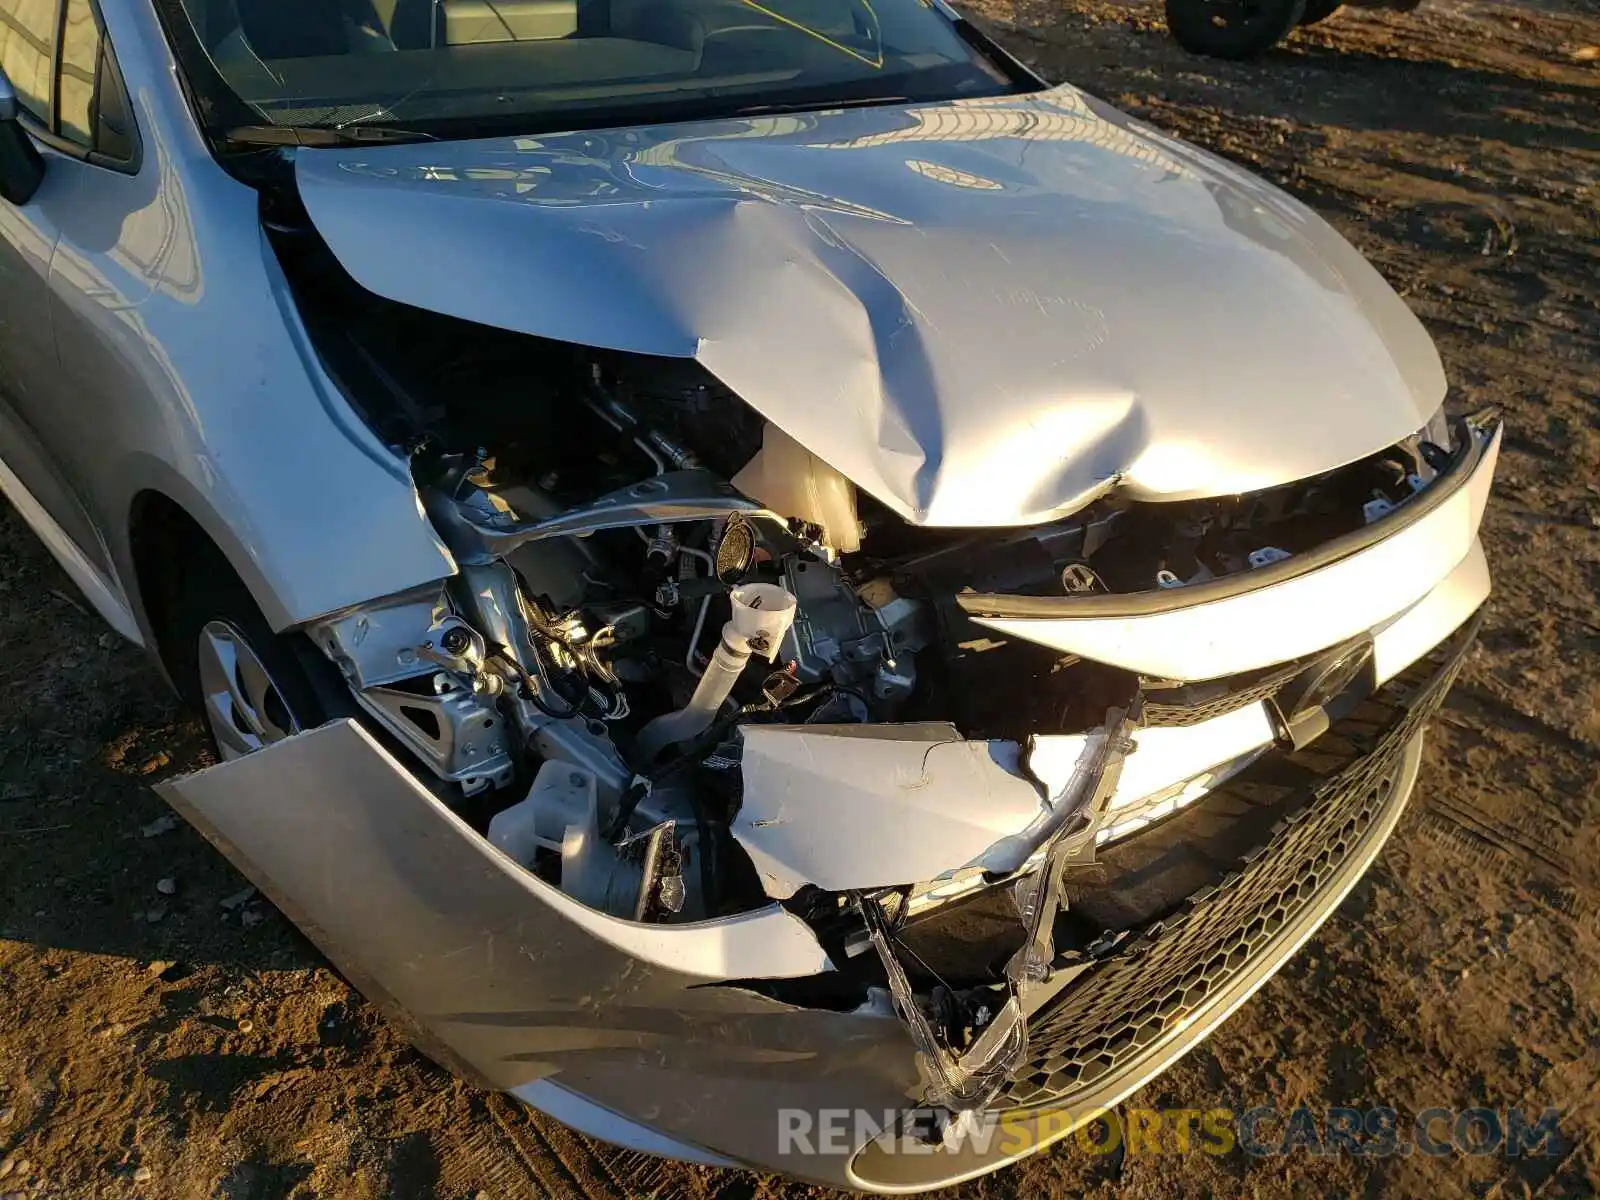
[(21, 164)]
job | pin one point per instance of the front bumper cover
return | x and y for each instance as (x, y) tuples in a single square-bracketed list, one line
[(488, 970)]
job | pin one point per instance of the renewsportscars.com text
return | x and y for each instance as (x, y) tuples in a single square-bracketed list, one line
[(1262, 1131)]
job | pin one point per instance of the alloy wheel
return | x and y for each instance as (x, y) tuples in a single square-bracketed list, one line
[(243, 704)]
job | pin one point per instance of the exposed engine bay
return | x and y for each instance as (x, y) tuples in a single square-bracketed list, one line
[(650, 574)]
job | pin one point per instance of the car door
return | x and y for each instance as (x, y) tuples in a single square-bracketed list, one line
[(28, 233), (75, 110)]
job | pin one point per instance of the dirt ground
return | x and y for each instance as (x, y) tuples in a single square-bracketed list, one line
[(163, 1035)]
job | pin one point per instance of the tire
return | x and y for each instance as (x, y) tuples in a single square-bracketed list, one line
[(1232, 28), (1320, 10), (212, 614)]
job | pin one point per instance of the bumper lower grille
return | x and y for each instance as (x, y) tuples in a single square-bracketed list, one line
[(1127, 1013), (1198, 702)]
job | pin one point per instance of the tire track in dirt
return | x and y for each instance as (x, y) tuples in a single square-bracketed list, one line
[(519, 1152), (1488, 842)]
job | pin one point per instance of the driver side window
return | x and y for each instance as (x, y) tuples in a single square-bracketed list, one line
[(27, 47)]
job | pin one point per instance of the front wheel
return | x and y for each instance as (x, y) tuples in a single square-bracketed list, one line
[(242, 702), (1232, 28), (253, 686)]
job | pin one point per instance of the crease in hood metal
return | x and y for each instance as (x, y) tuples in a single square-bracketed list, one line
[(983, 312)]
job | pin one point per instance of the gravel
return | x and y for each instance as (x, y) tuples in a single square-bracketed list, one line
[(165, 823)]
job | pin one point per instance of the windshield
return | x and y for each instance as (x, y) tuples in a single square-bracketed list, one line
[(475, 67)]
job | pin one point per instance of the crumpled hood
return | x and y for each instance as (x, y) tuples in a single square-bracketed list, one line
[(982, 312)]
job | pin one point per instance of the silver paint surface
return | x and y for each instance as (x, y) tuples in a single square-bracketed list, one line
[(982, 312)]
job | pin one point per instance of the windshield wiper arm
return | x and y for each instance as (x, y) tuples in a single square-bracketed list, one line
[(321, 135), (756, 110)]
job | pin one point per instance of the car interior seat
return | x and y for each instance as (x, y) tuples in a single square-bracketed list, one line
[(282, 29), (409, 24), (692, 25), (475, 22), (293, 28)]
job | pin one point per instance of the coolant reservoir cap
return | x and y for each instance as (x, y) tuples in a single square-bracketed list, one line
[(736, 552)]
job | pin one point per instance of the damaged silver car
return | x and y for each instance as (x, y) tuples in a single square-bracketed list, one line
[(743, 559)]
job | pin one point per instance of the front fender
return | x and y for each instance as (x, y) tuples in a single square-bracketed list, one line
[(192, 376)]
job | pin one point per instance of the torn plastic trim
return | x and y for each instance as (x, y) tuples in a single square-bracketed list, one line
[(818, 800), (901, 1162), (965, 1081), (1088, 791), (1070, 841), (856, 808)]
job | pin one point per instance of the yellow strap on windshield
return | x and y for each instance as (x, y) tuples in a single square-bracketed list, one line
[(822, 37)]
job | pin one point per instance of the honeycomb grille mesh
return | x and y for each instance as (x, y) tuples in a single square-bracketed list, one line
[(1174, 970), (1237, 694)]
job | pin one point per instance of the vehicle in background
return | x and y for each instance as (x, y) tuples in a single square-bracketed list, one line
[(1246, 28)]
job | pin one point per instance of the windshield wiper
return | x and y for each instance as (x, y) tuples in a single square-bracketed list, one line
[(321, 135), (820, 105)]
